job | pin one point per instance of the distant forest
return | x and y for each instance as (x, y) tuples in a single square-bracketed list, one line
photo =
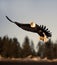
[(11, 48)]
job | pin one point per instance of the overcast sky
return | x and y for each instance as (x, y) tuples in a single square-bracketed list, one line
[(24, 11)]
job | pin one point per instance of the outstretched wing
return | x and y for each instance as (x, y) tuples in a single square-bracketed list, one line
[(26, 27), (45, 30)]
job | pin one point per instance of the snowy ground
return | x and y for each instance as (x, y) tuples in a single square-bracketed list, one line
[(28, 59)]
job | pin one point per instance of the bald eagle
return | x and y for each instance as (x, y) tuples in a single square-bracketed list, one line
[(32, 27)]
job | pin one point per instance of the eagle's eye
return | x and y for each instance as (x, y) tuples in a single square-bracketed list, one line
[(32, 24)]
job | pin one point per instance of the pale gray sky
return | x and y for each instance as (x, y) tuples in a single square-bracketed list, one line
[(24, 11)]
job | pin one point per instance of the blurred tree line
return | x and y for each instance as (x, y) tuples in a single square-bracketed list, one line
[(11, 48)]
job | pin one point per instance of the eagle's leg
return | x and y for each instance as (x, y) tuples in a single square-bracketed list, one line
[(45, 39), (41, 38)]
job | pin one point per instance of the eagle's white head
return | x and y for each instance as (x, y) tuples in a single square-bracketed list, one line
[(32, 24)]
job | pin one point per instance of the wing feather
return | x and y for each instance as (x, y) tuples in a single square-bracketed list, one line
[(26, 27), (46, 31)]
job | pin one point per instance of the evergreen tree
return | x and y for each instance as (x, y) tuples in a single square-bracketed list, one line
[(41, 49), (26, 48), (0, 45), (5, 46), (32, 49), (49, 49), (55, 49)]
